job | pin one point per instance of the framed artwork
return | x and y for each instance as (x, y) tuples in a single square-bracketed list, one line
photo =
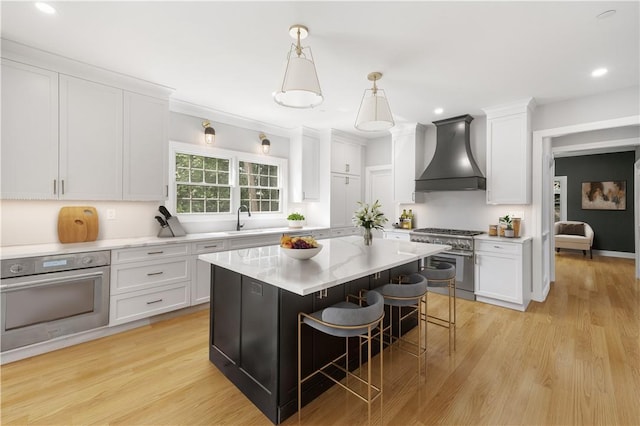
[(604, 195)]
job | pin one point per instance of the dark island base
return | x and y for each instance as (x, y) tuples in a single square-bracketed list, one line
[(254, 336)]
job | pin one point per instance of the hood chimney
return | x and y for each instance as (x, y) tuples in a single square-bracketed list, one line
[(452, 167)]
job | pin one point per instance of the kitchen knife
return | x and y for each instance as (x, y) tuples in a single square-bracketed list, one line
[(161, 221), (165, 212)]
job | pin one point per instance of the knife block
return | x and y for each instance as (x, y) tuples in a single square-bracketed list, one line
[(165, 232)]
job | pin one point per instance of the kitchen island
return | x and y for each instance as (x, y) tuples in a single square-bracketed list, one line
[(256, 295)]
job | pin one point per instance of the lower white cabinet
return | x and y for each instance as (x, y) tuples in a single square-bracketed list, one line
[(346, 191), (503, 272), (201, 288), (391, 234), (147, 281)]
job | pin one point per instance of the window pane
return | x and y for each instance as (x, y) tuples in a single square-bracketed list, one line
[(197, 162), (197, 192), (264, 181), (224, 192), (273, 170), (223, 178), (264, 206), (182, 160), (196, 176), (254, 180), (223, 165), (275, 206), (210, 176), (224, 206), (184, 206), (210, 163), (211, 206), (183, 191), (197, 206), (182, 175)]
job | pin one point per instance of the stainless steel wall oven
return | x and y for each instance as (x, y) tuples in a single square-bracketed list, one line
[(51, 296)]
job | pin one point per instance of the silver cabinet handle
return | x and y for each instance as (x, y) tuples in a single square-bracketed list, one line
[(150, 274), (62, 187), (347, 168), (55, 189), (154, 301), (212, 246), (155, 252)]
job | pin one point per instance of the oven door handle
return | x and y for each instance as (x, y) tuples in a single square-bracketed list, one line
[(450, 254), (48, 281)]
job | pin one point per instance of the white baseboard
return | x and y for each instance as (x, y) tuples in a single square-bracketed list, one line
[(86, 336), (608, 253)]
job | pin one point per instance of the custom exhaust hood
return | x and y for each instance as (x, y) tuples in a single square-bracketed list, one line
[(452, 167)]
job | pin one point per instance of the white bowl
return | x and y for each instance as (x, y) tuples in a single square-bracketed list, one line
[(301, 254)]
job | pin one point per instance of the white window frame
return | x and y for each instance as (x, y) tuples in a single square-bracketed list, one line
[(234, 158)]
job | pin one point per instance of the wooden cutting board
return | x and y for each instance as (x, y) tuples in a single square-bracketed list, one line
[(77, 224)]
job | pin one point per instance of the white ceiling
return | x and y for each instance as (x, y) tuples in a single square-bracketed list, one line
[(461, 56)]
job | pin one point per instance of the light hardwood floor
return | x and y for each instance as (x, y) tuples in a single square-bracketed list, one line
[(574, 359)]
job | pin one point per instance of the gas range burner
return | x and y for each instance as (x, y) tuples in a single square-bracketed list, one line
[(451, 232)]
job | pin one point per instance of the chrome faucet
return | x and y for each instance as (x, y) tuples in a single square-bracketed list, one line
[(238, 226)]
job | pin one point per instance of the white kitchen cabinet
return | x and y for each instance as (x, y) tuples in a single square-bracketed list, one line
[(393, 234), (346, 191), (90, 140), (145, 168), (29, 132), (201, 285), (304, 165), (503, 272), (407, 144), (509, 153), (346, 157), (150, 280)]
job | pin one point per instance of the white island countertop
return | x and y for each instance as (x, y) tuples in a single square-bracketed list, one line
[(341, 260)]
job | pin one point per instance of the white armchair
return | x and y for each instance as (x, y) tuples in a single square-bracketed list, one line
[(575, 235)]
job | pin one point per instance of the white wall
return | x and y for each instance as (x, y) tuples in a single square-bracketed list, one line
[(377, 152), (604, 106)]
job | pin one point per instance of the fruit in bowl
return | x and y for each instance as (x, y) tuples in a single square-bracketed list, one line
[(299, 247)]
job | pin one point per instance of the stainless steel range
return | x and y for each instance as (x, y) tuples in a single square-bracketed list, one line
[(460, 255)]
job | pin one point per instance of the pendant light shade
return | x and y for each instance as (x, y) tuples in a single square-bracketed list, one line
[(300, 87), (374, 114)]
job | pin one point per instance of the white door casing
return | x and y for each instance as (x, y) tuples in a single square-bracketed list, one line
[(542, 249), (636, 220)]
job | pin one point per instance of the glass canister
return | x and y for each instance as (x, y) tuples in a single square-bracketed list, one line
[(493, 230), (515, 221)]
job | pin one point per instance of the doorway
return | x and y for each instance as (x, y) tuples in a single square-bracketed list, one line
[(379, 186), (542, 177)]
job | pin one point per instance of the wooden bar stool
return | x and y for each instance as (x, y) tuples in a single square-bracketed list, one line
[(444, 275), (346, 319), (410, 293)]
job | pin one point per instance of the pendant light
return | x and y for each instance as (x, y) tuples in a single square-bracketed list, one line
[(300, 87), (374, 114)]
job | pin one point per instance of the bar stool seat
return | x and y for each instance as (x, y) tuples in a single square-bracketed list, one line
[(444, 275), (346, 319), (410, 292)]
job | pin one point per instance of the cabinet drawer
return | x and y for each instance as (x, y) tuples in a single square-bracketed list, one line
[(254, 241), (343, 232), (149, 252), (403, 236), (498, 246), (318, 235), (209, 246), (137, 276), (142, 304)]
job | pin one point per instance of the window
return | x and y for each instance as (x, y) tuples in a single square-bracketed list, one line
[(213, 183), (202, 184), (259, 186)]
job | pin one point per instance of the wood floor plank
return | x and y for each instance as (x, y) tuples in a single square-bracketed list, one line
[(574, 359)]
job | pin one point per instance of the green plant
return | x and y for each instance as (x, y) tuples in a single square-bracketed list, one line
[(295, 216), (507, 221)]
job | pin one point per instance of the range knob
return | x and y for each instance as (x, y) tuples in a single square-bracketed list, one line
[(87, 260), (16, 268)]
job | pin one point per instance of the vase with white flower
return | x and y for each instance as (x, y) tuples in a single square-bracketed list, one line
[(369, 217)]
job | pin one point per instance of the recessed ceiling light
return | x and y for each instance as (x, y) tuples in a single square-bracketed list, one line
[(438, 110), (599, 72), (45, 8), (606, 14)]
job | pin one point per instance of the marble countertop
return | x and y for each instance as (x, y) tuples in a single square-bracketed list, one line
[(13, 252), (340, 260), (487, 237)]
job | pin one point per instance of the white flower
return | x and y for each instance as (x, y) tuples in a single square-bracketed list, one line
[(369, 217)]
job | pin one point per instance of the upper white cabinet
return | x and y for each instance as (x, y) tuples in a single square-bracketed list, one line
[(90, 140), (71, 131), (304, 165), (407, 144), (29, 132), (346, 157), (346, 191), (145, 147), (509, 153)]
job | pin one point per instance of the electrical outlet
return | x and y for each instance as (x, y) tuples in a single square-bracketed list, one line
[(111, 214)]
